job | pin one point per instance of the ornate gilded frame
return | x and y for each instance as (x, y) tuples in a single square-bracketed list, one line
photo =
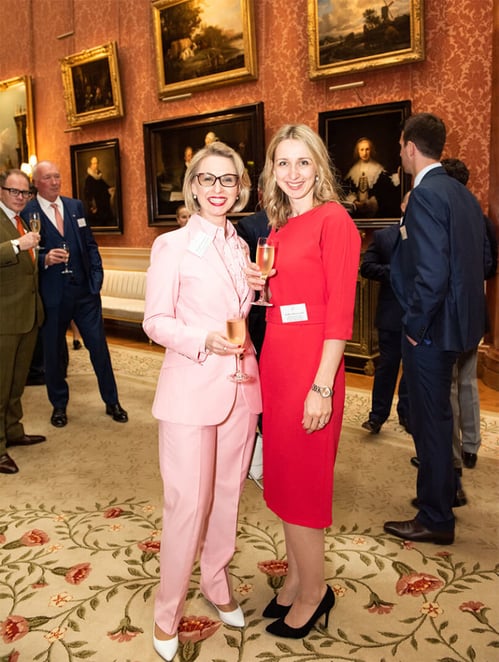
[(346, 41), (193, 54), (17, 122), (92, 90)]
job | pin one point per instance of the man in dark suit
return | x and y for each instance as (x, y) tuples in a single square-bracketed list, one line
[(437, 275), (21, 313), (376, 266), (70, 294)]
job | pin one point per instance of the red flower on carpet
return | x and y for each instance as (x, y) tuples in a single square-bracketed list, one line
[(418, 583), (40, 584), (2, 538), (124, 632), (34, 538), (473, 607), (111, 513), (13, 628), (152, 546), (378, 606), (12, 657), (78, 573), (196, 628), (273, 568)]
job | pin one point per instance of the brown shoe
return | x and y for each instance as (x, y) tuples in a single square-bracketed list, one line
[(7, 465), (27, 440), (413, 530)]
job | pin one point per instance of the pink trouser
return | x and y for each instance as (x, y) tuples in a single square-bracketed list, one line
[(203, 470)]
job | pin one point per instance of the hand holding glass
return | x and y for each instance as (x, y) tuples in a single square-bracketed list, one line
[(35, 224), (65, 247), (236, 333), (265, 261)]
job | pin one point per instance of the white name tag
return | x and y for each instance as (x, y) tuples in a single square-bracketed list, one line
[(82, 223), (296, 312), (403, 232), (199, 244)]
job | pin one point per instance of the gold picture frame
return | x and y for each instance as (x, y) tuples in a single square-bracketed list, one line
[(351, 39), (92, 90), (17, 123), (203, 45)]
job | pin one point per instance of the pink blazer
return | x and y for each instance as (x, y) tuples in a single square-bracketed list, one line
[(189, 293)]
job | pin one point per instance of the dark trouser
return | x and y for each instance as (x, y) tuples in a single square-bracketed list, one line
[(428, 372), (86, 310), (385, 378)]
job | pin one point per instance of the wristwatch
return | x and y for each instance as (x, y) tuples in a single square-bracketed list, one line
[(324, 391), (15, 245)]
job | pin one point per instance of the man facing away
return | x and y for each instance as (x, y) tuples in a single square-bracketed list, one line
[(21, 312), (437, 274), (71, 293)]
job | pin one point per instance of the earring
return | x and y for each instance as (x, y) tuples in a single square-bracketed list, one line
[(195, 197), (316, 178)]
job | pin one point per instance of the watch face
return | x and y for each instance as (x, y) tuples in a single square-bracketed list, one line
[(326, 392)]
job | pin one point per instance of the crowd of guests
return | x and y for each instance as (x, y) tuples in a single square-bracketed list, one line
[(201, 285)]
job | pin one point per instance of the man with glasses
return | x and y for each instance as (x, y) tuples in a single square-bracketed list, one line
[(21, 312), (70, 283)]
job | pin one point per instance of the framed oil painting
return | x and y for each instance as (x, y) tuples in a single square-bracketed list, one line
[(203, 44), (17, 124), (95, 175), (364, 146), (92, 90), (347, 37), (169, 145)]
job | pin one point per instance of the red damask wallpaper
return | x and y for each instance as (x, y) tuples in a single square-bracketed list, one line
[(454, 81)]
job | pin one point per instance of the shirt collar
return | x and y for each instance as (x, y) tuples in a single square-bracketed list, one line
[(422, 173), (46, 205)]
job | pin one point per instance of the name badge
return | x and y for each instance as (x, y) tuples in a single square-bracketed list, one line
[(82, 223), (296, 312), (403, 232), (199, 244)]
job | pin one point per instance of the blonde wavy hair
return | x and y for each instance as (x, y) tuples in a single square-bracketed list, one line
[(275, 201), (216, 149)]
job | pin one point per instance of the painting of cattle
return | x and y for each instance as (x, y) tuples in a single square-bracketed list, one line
[(201, 44)]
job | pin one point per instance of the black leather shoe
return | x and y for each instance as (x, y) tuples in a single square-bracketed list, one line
[(404, 423), (76, 344), (372, 426), (275, 610), (27, 440), (469, 459), (7, 465), (281, 629), (415, 461), (415, 531), (59, 418), (117, 412)]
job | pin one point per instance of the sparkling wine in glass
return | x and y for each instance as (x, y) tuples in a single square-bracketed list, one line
[(65, 247), (265, 261), (35, 223), (236, 333)]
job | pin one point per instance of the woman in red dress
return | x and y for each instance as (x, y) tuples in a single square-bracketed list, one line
[(302, 371)]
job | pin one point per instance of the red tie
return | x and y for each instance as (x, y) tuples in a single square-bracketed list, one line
[(22, 231), (58, 218)]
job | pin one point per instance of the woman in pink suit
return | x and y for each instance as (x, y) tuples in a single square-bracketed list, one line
[(207, 422)]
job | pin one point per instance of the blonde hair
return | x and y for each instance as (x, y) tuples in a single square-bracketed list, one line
[(216, 149), (275, 201)]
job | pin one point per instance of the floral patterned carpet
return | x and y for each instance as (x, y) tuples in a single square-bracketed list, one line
[(80, 528)]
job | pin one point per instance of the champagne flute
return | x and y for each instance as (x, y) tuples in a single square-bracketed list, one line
[(265, 260), (65, 247), (236, 333), (35, 224)]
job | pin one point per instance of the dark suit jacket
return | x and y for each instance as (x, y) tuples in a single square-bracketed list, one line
[(376, 266), (20, 303), (438, 264), (252, 227), (51, 284)]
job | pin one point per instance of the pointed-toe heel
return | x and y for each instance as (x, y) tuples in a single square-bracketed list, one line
[(166, 648), (235, 618), (281, 629), (275, 610)]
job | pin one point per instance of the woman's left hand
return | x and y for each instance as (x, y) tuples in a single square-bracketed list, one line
[(316, 412)]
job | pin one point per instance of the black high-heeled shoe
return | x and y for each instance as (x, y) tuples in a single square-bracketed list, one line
[(282, 629), (275, 610)]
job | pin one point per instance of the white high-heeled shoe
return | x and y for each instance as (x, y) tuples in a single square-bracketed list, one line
[(234, 617), (166, 648)]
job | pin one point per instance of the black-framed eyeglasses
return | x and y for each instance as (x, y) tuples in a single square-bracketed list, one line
[(15, 192), (207, 179)]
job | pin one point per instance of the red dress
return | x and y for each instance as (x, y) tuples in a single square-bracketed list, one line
[(317, 257)]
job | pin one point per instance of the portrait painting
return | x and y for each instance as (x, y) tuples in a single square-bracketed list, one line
[(346, 37), (170, 144), (17, 127), (95, 174), (92, 88), (201, 44), (364, 147)]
